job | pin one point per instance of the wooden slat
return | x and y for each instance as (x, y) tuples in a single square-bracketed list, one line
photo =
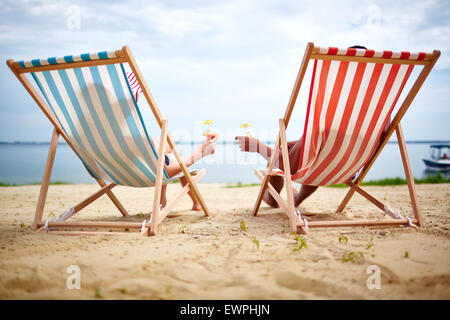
[(368, 59), (283, 205), (366, 195), (93, 197), (265, 183), (46, 179), (114, 199), (356, 223), (298, 82), (90, 233), (158, 182), (287, 179), (69, 65), (409, 175), (94, 224), (316, 51)]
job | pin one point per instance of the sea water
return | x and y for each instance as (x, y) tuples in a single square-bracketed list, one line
[(24, 163)]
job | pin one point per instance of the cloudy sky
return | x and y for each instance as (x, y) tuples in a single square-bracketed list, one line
[(228, 61)]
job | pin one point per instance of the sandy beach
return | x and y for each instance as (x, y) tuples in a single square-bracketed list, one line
[(194, 257)]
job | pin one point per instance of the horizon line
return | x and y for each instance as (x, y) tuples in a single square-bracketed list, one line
[(18, 142)]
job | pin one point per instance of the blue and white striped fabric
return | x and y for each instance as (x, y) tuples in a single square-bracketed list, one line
[(68, 59), (98, 113)]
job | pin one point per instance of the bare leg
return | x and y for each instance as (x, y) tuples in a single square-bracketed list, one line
[(277, 182), (195, 204), (163, 200), (305, 192), (173, 168), (247, 144)]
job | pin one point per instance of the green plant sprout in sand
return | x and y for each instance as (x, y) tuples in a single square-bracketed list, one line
[(243, 226), (98, 293), (300, 243), (343, 239), (256, 242), (353, 257), (370, 244)]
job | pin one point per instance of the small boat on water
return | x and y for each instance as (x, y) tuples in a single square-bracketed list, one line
[(438, 158)]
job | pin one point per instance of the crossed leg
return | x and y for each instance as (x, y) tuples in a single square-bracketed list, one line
[(250, 144), (195, 204), (173, 168), (277, 182)]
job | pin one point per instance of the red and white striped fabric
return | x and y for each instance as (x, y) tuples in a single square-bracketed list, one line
[(405, 55), (349, 106), (135, 87)]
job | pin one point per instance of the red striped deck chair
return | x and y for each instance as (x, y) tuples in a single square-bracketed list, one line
[(352, 96)]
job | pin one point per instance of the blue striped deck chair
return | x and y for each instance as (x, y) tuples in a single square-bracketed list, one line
[(91, 105)]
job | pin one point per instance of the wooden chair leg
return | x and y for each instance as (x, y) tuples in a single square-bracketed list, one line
[(114, 199), (46, 179), (265, 183), (81, 205), (158, 183), (283, 205), (287, 179), (409, 175), (366, 195)]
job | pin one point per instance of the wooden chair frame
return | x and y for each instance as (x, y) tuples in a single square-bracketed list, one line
[(122, 56), (288, 207)]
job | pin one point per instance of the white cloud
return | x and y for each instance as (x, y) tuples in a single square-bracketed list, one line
[(402, 26), (227, 58)]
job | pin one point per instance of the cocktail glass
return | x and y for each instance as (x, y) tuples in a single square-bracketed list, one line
[(244, 127)]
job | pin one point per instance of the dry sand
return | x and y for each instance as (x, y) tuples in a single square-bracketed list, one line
[(194, 257)]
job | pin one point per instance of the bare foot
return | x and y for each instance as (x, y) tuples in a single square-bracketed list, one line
[(197, 207), (163, 200), (273, 203)]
